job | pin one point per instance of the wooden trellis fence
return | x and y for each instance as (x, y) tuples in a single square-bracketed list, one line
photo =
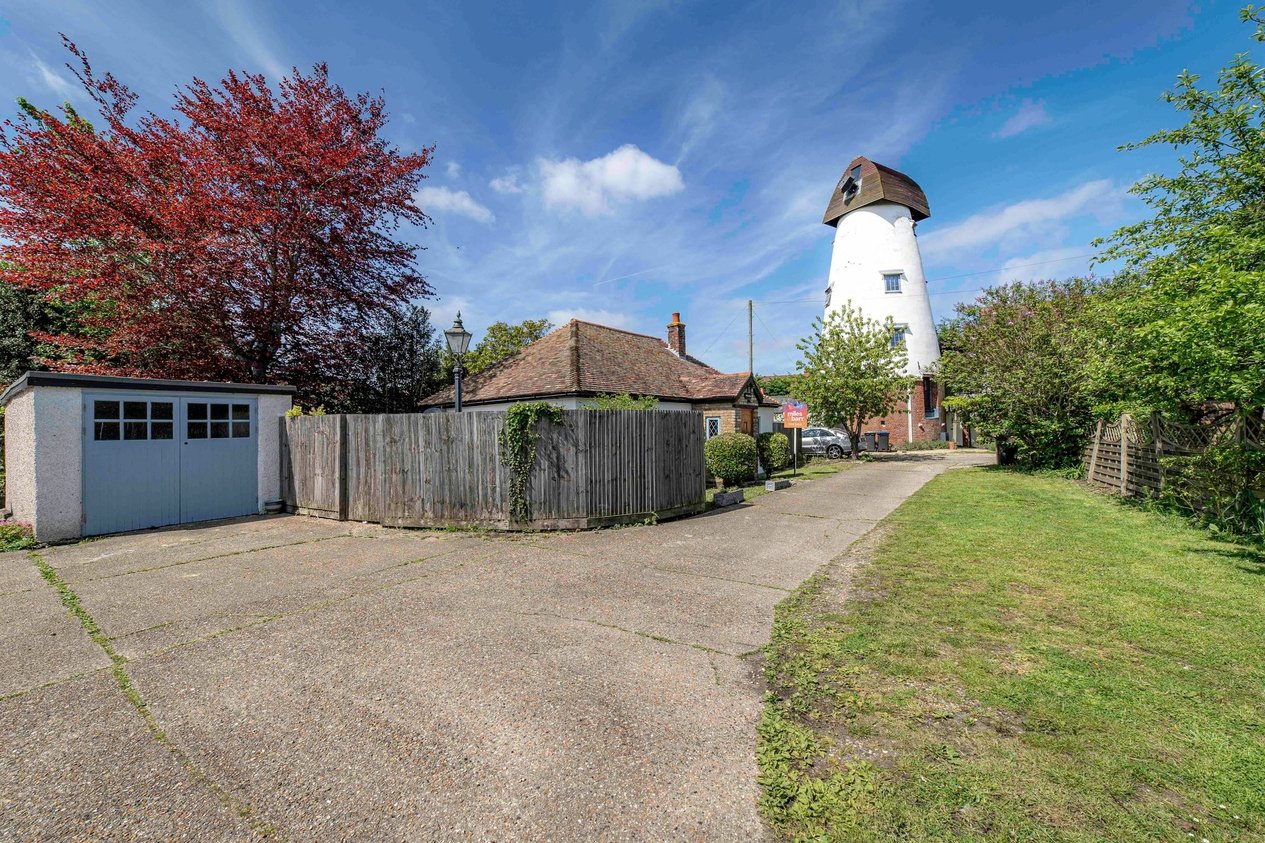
[(1126, 455)]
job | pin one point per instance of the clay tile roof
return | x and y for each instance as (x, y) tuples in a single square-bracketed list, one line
[(878, 183), (581, 358)]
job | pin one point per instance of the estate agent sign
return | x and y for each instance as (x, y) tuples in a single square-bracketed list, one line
[(795, 414)]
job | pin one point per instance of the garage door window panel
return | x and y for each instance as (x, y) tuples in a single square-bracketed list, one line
[(105, 425)]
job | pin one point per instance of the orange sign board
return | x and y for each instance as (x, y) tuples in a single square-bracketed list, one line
[(795, 414)]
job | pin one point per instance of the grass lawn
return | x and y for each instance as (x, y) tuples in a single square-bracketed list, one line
[(819, 467), (1021, 659)]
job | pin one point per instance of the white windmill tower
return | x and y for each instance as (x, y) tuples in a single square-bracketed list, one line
[(876, 265)]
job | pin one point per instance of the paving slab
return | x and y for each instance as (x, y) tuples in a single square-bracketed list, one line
[(78, 763), (39, 640)]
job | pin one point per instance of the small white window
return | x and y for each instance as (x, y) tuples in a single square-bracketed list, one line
[(892, 282), (899, 333), (827, 297), (713, 426)]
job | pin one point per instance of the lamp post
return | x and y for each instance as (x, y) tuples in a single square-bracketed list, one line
[(458, 341)]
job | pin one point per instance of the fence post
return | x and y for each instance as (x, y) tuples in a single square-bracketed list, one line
[(1093, 454), (1159, 445), (343, 503), (1126, 425)]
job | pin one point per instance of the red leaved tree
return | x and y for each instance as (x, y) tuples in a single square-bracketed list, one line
[(240, 239)]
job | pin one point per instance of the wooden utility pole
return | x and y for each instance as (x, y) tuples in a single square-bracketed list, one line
[(750, 341)]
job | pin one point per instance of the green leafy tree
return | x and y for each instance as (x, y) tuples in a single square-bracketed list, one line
[(393, 364), (776, 384), (850, 371), (1018, 361), (501, 341), (1188, 315), (621, 401)]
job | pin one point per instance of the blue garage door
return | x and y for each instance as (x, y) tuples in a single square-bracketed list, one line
[(151, 460)]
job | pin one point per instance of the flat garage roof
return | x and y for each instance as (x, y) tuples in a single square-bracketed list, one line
[(133, 384)]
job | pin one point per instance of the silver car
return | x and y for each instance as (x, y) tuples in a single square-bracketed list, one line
[(824, 441)]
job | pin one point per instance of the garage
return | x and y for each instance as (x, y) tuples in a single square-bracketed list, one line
[(90, 455)]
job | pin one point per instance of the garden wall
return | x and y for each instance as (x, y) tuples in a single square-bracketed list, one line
[(596, 468)]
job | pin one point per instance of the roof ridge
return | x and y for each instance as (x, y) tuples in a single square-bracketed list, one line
[(659, 340)]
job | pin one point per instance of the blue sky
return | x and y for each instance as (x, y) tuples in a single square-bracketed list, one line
[(621, 161)]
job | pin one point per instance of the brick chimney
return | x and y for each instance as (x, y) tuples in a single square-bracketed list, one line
[(676, 335)]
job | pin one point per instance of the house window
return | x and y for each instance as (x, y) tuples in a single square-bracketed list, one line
[(891, 282), (929, 408), (899, 333), (712, 424)]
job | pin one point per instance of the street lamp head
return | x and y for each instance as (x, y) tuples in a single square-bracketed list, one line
[(458, 338)]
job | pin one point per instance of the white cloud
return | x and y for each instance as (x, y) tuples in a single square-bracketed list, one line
[(1061, 262), (590, 186), (241, 26), (54, 80), (601, 317), (507, 183), (441, 199), (987, 228), (453, 169), (1030, 115)]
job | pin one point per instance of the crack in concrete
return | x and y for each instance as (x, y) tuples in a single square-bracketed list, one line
[(660, 568), (652, 636), (118, 668), (216, 556)]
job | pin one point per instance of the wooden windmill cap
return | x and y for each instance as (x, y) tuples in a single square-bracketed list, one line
[(877, 184)]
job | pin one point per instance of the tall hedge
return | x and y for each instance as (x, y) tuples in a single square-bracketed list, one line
[(731, 457), (775, 451)]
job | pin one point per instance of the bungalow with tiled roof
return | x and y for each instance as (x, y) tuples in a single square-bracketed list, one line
[(580, 360)]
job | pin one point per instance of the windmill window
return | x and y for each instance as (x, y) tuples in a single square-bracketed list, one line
[(899, 334), (892, 282), (827, 297), (856, 174)]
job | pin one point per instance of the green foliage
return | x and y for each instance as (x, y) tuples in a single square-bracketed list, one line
[(775, 451), (776, 384), (923, 445), (1186, 321), (1224, 488), (731, 457), (16, 535), (1028, 661), (501, 341), (1017, 362), (518, 449), (391, 365), (296, 411), (850, 371), (621, 401)]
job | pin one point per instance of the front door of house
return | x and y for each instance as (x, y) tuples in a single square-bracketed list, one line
[(746, 421)]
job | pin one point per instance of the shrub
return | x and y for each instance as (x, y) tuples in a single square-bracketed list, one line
[(923, 445), (775, 451), (16, 535), (731, 457), (1224, 488)]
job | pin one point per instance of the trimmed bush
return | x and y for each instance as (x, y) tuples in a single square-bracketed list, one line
[(731, 457), (775, 451), (924, 445)]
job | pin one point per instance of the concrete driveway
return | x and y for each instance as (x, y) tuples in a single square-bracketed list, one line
[(315, 680)]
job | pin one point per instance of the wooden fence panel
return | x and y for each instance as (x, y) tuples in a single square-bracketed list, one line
[(597, 466), (314, 465)]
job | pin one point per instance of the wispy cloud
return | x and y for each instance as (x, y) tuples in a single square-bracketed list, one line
[(438, 200), (507, 183), (453, 169), (602, 317), (248, 34), (53, 80), (1030, 115), (987, 229), (591, 186)]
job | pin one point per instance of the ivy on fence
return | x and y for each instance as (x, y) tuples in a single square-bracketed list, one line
[(518, 449)]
